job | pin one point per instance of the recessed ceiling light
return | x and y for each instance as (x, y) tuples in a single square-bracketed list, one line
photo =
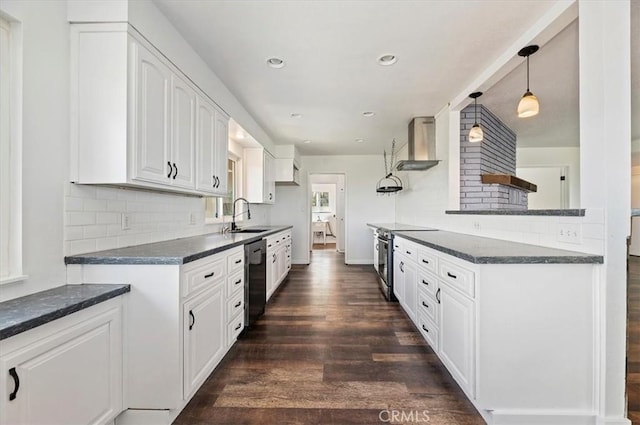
[(307, 141), (275, 62), (368, 114), (386, 60), (296, 115), (359, 140)]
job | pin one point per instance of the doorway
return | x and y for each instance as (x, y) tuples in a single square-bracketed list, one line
[(327, 212)]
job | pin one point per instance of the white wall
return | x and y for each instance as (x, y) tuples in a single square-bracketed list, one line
[(45, 137), (635, 186), (546, 157), (292, 208), (362, 203), (60, 218)]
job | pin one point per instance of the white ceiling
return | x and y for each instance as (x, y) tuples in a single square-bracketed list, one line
[(553, 78), (331, 76)]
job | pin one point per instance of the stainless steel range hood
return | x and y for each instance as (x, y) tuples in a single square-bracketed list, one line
[(422, 145)]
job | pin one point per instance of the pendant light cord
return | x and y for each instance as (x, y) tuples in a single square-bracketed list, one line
[(527, 73), (475, 110)]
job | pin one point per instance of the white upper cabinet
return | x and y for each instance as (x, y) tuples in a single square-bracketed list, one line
[(152, 99), (213, 127), (137, 120), (260, 184), (182, 154)]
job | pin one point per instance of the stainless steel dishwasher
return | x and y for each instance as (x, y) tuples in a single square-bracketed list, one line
[(255, 278)]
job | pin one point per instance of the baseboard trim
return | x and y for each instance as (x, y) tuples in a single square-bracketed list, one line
[(542, 417), (359, 262)]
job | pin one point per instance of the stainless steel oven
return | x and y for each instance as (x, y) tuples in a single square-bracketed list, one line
[(384, 262)]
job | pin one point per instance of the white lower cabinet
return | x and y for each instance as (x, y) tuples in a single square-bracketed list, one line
[(204, 327), (182, 320), (66, 372), (278, 260), (517, 338), (456, 346)]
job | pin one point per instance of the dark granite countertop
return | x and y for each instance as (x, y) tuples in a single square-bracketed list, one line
[(635, 212), (396, 227), (176, 251), (21, 314), (563, 213), (481, 250)]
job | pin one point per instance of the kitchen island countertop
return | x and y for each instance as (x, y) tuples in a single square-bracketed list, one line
[(396, 227), (482, 250), (175, 251)]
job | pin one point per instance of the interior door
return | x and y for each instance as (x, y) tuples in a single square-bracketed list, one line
[(340, 213)]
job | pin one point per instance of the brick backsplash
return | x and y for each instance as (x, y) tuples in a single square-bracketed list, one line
[(495, 154), (93, 217)]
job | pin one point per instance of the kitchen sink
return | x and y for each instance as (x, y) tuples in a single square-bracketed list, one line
[(249, 230)]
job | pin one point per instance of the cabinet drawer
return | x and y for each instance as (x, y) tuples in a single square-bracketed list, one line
[(274, 241), (429, 331), (427, 260), (234, 328), (235, 305), (235, 261), (406, 248), (203, 275), (427, 282), (235, 283), (428, 306), (460, 278)]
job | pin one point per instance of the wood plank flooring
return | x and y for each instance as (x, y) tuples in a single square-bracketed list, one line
[(633, 340), (330, 350)]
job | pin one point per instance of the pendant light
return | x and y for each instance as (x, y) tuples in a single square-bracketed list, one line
[(529, 105), (475, 134)]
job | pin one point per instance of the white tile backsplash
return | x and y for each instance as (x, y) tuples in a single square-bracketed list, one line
[(93, 217)]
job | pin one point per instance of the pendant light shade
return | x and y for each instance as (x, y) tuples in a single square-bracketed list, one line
[(475, 134), (529, 105)]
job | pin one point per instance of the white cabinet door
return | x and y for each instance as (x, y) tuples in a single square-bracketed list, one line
[(269, 179), (183, 113), (457, 338), (206, 146), (221, 150), (71, 377), (204, 323), (410, 289), (212, 140), (152, 118), (398, 277)]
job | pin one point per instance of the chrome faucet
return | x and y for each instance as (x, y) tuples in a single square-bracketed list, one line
[(234, 215)]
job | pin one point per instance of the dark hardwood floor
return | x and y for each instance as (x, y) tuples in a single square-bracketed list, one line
[(330, 350), (633, 340)]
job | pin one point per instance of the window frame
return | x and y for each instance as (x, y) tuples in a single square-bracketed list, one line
[(215, 203), (11, 148)]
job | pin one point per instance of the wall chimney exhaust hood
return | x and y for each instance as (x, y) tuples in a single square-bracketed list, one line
[(422, 145)]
